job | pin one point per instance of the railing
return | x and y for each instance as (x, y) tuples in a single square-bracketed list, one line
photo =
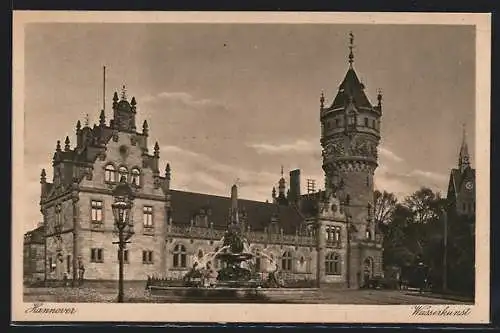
[(251, 236)]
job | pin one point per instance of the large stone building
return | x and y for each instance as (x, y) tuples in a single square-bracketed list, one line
[(327, 236)]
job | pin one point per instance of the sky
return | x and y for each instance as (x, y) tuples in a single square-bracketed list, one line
[(231, 103)]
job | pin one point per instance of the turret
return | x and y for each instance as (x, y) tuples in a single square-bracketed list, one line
[(124, 112), (155, 165), (43, 184), (67, 144), (282, 198), (102, 119), (167, 176)]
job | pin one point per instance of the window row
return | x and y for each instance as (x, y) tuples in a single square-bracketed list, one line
[(96, 214), (97, 256), (351, 121), (333, 234), (111, 175), (179, 259)]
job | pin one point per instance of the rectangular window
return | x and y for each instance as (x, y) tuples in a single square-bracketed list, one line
[(96, 211), (366, 122), (125, 256), (337, 122), (147, 257), (148, 217), (97, 255), (51, 268), (68, 264)]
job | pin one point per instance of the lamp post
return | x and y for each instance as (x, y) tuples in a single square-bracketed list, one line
[(445, 249), (123, 198)]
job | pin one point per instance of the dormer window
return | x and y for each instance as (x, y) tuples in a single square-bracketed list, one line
[(123, 172), (110, 173), (135, 180)]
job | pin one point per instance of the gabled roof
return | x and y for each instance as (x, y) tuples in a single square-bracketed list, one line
[(185, 205), (351, 86), (35, 236)]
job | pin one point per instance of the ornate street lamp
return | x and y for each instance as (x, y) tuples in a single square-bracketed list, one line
[(123, 199)]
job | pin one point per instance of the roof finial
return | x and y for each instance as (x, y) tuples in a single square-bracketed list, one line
[(281, 171), (379, 96), (322, 100), (351, 46), (124, 93), (87, 120)]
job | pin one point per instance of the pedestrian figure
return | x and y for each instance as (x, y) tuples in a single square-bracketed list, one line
[(81, 271), (65, 279)]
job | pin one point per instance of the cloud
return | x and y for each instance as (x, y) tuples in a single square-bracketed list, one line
[(299, 146), (198, 172), (403, 183), (428, 174), (389, 154), (177, 97)]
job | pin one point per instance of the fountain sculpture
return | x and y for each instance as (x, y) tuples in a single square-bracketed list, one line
[(237, 265), (237, 280)]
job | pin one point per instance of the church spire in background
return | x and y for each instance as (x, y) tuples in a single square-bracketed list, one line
[(464, 158)]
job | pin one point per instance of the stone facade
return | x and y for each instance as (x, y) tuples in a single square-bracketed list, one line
[(327, 236), (34, 255)]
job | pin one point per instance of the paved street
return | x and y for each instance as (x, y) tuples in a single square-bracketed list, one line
[(380, 297)]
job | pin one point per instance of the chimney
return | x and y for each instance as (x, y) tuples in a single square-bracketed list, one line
[(294, 186)]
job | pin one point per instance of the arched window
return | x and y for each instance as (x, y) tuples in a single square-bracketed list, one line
[(332, 264), (179, 256), (286, 261), (200, 253), (337, 234), (135, 180), (123, 172), (109, 173)]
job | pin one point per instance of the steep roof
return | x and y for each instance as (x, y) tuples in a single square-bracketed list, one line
[(185, 205), (351, 86), (35, 236)]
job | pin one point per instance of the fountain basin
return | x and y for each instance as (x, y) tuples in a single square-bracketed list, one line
[(228, 294)]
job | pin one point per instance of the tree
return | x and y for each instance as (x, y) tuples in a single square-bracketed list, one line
[(384, 206), (424, 204)]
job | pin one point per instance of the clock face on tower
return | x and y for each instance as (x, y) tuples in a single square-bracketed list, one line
[(469, 185)]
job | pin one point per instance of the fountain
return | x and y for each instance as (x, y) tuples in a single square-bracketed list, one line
[(234, 256), (236, 281)]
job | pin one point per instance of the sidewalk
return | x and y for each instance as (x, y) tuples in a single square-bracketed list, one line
[(451, 297)]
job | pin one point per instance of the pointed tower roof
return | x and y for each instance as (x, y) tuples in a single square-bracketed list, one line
[(464, 158), (351, 86)]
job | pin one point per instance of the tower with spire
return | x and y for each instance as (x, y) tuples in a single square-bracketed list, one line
[(462, 184), (350, 136)]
